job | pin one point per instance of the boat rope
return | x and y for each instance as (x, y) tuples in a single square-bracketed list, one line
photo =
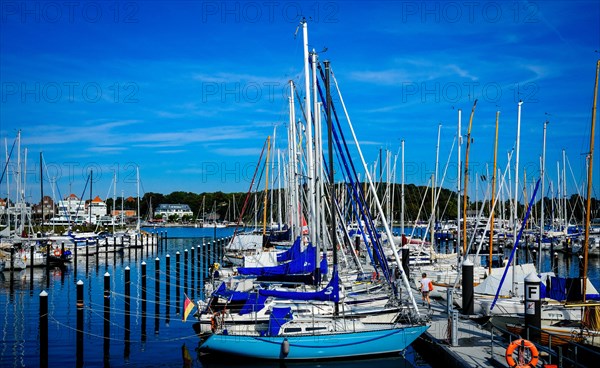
[(516, 245)]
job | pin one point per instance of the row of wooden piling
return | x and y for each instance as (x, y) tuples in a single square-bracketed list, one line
[(195, 261)]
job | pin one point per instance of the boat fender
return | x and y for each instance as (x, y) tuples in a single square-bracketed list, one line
[(521, 344), (57, 252), (285, 348), (213, 322)]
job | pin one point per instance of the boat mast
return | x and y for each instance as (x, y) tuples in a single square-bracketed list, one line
[(41, 193), (458, 182), (114, 209), (264, 232), (309, 139), (293, 164), (516, 199), (467, 180), (589, 185), (331, 174), (319, 223), (564, 191), (137, 172), (434, 186), (543, 173), (493, 194), (90, 205), (402, 199)]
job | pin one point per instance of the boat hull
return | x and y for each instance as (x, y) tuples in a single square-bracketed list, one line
[(314, 347)]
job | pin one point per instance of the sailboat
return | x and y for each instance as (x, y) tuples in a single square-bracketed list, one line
[(289, 335), (585, 329)]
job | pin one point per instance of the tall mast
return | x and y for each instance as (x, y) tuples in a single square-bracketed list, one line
[(293, 164), (434, 186), (458, 181), (273, 174), (264, 232), (279, 219), (589, 185), (319, 224), (493, 193), (402, 198), (516, 190), (309, 140), (114, 209), (467, 180), (331, 174), (137, 172), (564, 190), (543, 173), (42, 192), (90, 205)]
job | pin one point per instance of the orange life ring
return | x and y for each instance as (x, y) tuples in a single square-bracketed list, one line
[(57, 252), (523, 344)]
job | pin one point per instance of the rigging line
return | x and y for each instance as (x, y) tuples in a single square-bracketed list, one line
[(574, 181), (57, 322), (516, 245), (248, 194), (8, 160), (370, 225)]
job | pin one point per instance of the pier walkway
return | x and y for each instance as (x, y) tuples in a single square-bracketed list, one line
[(474, 346)]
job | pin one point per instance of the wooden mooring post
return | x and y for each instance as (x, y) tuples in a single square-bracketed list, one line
[(127, 302), (79, 344), (168, 287), (156, 294), (143, 301), (43, 329), (106, 317)]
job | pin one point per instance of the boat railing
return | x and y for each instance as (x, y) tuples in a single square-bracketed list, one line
[(562, 352)]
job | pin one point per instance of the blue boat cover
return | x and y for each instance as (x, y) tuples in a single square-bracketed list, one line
[(330, 293), (292, 252), (558, 288), (568, 289), (323, 264), (303, 264), (279, 316), (254, 303), (232, 296)]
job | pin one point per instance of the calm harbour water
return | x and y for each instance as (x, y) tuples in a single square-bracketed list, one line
[(19, 314)]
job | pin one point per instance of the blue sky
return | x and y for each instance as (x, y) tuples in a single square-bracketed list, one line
[(188, 91)]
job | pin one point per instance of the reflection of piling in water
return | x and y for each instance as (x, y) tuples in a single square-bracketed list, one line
[(185, 270), (177, 282)]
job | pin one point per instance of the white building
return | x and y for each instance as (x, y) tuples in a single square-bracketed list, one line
[(167, 210), (73, 210), (97, 207)]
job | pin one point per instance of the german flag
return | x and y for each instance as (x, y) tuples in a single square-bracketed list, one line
[(188, 307)]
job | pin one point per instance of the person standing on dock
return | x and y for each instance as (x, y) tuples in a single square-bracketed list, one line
[(426, 287)]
